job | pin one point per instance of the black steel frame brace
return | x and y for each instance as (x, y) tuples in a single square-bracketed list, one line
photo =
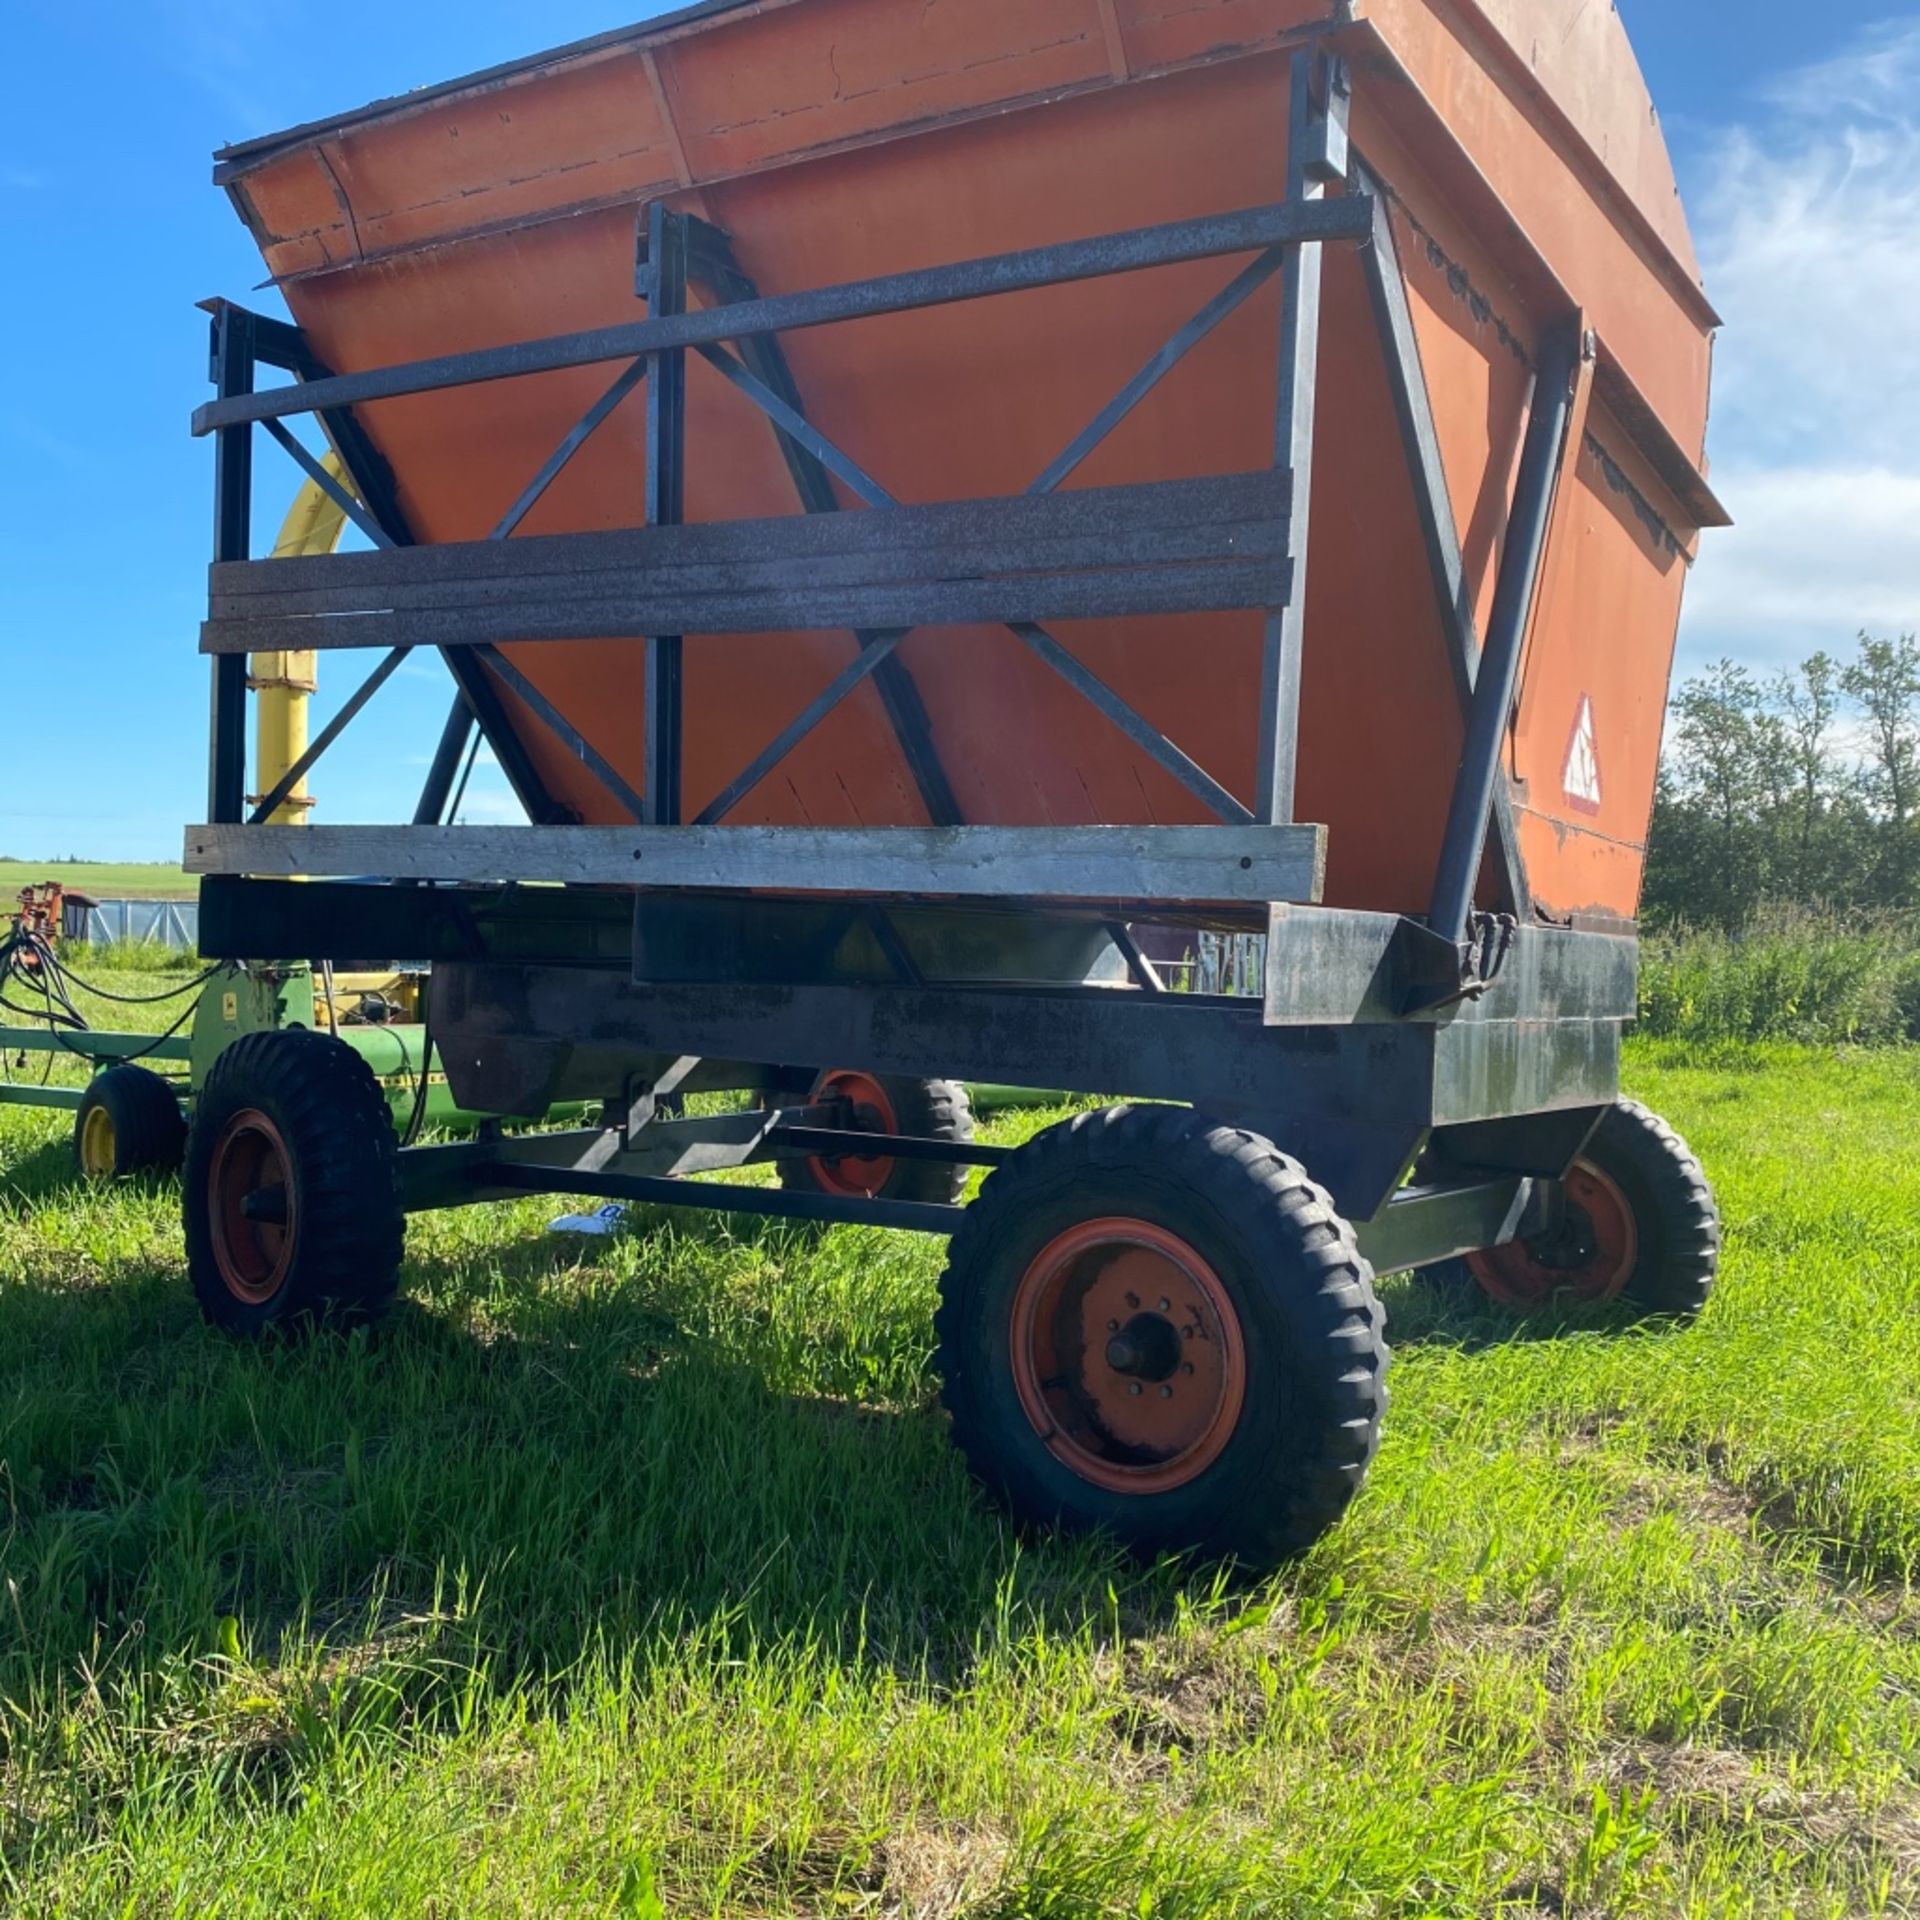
[(1421, 1226), (780, 1203), (243, 340), (1251, 230)]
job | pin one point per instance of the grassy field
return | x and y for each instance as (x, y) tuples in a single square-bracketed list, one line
[(103, 880), (636, 1578)]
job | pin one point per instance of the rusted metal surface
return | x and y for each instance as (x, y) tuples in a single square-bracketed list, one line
[(836, 141)]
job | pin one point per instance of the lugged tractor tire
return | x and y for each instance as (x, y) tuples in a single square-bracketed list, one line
[(128, 1122), (1642, 1228), (291, 1197), (884, 1103), (1158, 1327)]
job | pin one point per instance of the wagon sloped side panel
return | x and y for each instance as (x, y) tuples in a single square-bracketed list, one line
[(838, 140)]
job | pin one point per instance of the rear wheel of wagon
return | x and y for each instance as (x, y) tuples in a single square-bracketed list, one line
[(1158, 1327), (291, 1194), (1639, 1226), (882, 1103)]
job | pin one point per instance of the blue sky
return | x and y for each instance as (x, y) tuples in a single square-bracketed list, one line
[(1800, 157)]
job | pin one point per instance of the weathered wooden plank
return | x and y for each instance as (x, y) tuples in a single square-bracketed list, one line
[(1103, 519), (1216, 864), (1220, 542), (1040, 598)]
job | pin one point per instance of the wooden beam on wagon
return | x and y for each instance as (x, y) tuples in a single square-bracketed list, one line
[(1211, 864)]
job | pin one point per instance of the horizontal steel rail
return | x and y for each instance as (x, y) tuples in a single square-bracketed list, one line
[(1215, 863), (88, 1045), (53, 1099), (1419, 1227), (1250, 231)]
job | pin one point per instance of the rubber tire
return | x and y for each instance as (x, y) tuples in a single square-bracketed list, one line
[(1673, 1209), (1314, 1332), (149, 1130), (338, 1131), (922, 1110)]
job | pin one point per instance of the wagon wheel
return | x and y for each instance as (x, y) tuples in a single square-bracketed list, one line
[(291, 1196), (880, 1103), (1639, 1225), (1158, 1326)]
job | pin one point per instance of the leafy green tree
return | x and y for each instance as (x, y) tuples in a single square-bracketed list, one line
[(1760, 801), (1884, 681)]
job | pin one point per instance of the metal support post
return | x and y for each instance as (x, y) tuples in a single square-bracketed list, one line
[(1316, 158), (232, 374), (1471, 813), (438, 789), (666, 505)]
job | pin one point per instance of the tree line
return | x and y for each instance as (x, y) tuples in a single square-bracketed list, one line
[(1799, 787)]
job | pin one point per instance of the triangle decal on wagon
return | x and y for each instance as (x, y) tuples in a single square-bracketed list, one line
[(1582, 777)]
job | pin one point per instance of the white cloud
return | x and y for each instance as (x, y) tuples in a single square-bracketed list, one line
[(1816, 555), (1809, 226)]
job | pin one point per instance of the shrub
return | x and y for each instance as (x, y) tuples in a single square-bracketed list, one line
[(1789, 974)]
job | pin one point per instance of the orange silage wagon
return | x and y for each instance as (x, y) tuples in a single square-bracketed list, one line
[(917, 495)]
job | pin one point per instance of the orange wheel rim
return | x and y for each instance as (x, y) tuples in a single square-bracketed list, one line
[(1528, 1275), (872, 1113), (250, 1162), (1128, 1356)]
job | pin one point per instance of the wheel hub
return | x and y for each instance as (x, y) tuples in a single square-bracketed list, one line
[(1587, 1259), (1146, 1348), (250, 1207), (1128, 1356), (870, 1111)]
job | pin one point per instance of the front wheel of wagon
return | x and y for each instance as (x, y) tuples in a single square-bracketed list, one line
[(1158, 1327), (291, 1192), (1639, 1226)]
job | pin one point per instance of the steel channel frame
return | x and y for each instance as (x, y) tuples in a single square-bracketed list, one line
[(1419, 1226), (1316, 157)]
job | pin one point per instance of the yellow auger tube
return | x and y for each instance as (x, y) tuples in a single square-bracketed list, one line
[(285, 682)]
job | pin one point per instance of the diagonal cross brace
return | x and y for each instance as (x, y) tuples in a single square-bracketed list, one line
[(799, 433), (1406, 376)]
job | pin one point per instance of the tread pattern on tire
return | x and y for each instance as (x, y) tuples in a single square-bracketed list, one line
[(923, 1110), (339, 1131), (1318, 1310), (149, 1131), (1673, 1203)]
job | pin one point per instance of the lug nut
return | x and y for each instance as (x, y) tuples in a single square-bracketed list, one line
[(1166, 1393), (1135, 1389)]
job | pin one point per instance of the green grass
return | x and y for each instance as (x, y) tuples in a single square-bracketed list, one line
[(102, 879), (637, 1578)]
